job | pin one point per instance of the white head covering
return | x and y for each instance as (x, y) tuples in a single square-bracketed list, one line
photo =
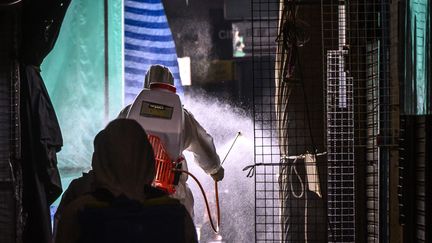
[(158, 74)]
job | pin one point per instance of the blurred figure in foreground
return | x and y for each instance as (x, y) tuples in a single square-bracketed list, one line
[(121, 205)]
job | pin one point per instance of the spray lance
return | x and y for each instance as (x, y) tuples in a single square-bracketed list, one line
[(214, 227)]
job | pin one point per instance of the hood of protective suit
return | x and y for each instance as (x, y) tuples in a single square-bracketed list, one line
[(158, 74), (123, 160)]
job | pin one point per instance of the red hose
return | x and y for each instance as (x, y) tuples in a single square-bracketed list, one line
[(215, 229)]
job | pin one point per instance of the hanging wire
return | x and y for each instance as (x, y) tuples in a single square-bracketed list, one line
[(293, 170), (294, 37), (8, 4)]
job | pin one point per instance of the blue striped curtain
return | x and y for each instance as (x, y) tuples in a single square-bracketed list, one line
[(147, 41)]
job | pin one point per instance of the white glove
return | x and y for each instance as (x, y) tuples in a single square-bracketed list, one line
[(219, 175)]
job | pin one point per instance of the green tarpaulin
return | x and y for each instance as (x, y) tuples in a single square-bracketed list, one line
[(417, 84), (74, 74)]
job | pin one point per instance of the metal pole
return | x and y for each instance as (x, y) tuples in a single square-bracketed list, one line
[(106, 83)]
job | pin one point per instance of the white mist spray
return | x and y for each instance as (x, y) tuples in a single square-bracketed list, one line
[(236, 191)]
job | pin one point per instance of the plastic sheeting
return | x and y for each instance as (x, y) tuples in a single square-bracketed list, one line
[(75, 78), (147, 41), (417, 94)]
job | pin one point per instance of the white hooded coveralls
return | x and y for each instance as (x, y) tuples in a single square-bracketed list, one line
[(196, 140), (200, 143)]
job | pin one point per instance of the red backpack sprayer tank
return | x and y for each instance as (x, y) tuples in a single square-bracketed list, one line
[(168, 172)]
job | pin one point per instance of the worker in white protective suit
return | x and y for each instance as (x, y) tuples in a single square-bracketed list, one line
[(158, 109)]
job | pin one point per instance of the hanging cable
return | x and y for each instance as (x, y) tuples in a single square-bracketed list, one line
[(214, 227), (293, 168), (314, 147), (10, 3)]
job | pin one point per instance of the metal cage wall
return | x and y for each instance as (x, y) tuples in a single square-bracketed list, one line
[(10, 167), (288, 122), (359, 31), (324, 107)]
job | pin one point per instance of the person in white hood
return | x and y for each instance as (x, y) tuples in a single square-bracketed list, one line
[(190, 135)]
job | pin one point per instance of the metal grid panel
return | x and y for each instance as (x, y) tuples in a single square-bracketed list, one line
[(366, 43), (288, 117), (340, 149), (5, 95), (9, 128), (414, 177), (266, 151), (267, 209), (420, 181), (291, 203)]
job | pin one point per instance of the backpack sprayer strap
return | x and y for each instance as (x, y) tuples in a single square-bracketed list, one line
[(178, 164)]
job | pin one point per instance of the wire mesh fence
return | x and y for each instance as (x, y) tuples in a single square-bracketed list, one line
[(10, 177), (322, 120), (289, 125)]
